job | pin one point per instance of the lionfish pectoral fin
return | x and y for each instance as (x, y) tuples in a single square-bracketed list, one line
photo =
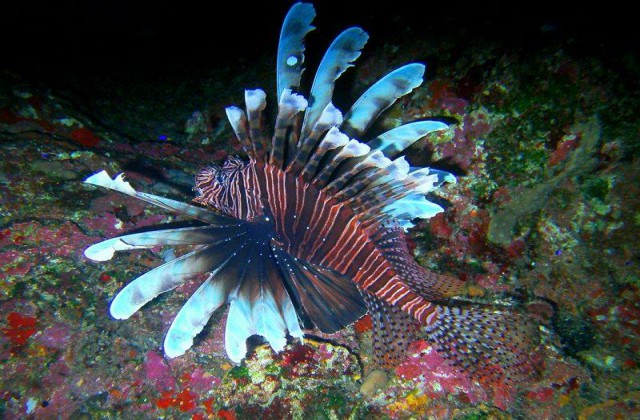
[(259, 305), (393, 331), (171, 274), (194, 315), (329, 299), (102, 179), (201, 235), (218, 289), (493, 345)]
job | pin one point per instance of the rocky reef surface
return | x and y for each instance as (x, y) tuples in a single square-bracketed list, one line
[(544, 140)]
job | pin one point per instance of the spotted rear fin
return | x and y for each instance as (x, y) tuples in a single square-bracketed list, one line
[(493, 345), (393, 331)]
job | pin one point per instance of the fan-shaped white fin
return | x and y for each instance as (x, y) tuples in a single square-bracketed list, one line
[(396, 140), (194, 315), (380, 96), (297, 24), (103, 251), (239, 327), (343, 51), (268, 321), (169, 275)]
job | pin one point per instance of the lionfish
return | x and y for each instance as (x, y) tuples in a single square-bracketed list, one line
[(309, 232)]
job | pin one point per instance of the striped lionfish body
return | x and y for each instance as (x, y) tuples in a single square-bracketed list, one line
[(308, 232)]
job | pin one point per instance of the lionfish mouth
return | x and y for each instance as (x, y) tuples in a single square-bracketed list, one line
[(309, 230)]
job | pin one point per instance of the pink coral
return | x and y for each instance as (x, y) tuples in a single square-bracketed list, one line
[(157, 371)]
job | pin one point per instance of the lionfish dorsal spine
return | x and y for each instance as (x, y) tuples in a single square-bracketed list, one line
[(352, 149), (381, 96), (340, 55), (289, 106), (330, 117), (256, 102), (290, 59), (238, 120), (332, 140)]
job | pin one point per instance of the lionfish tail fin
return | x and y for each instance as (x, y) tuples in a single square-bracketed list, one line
[(494, 346)]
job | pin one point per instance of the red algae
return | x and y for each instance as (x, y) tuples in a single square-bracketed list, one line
[(185, 400), (20, 328), (85, 137)]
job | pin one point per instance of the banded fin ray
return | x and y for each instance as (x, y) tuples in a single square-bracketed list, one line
[(259, 305), (171, 274), (397, 139), (194, 315), (201, 235), (289, 68), (330, 300), (256, 102), (381, 96), (240, 126), (340, 55), (290, 105), (102, 179)]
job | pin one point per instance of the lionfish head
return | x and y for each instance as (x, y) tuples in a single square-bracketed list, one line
[(214, 182)]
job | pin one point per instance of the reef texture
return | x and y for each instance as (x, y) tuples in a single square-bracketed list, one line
[(546, 210)]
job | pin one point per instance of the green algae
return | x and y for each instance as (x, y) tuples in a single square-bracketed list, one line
[(523, 204)]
